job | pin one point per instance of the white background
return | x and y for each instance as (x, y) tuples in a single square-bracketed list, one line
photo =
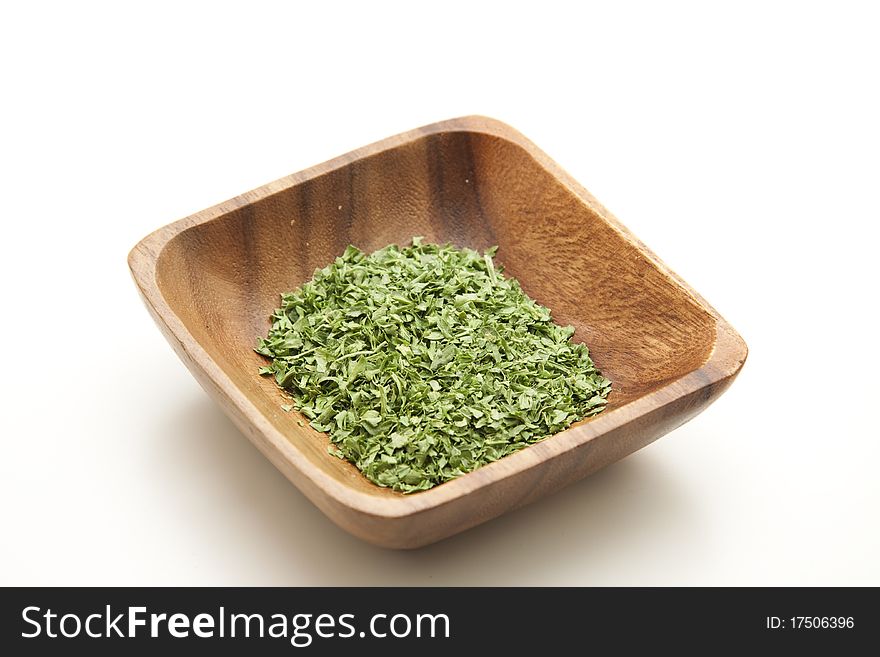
[(741, 144)]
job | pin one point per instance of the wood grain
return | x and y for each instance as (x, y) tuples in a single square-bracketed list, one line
[(212, 280)]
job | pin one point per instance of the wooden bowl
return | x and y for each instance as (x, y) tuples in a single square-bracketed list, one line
[(212, 280)]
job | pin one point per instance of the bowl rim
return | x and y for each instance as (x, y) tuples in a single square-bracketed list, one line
[(726, 358)]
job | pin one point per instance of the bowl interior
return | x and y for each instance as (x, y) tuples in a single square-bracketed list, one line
[(222, 278)]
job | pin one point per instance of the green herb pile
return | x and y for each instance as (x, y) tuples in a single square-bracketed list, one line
[(424, 363)]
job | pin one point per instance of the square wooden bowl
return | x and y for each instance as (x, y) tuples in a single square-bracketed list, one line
[(212, 280)]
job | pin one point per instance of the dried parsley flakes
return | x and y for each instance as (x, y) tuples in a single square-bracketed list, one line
[(424, 363)]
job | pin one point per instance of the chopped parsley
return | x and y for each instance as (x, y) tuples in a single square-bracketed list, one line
[(424, 363)]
